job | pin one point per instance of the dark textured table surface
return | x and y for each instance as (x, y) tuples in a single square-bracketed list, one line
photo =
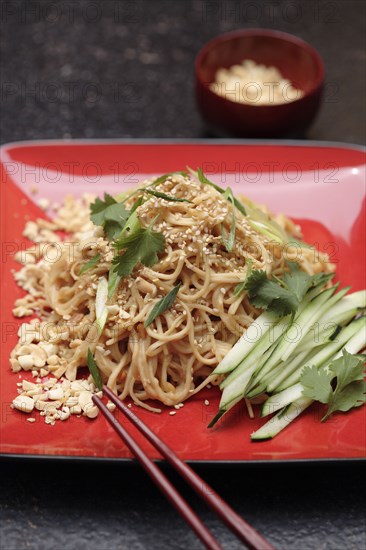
[(109, 69)]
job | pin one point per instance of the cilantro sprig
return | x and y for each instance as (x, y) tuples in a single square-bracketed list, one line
[(340, 385), (281, 296), (133, 243), (110, 214), (141, 246)]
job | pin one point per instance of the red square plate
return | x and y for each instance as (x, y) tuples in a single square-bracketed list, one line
[(320, 185)]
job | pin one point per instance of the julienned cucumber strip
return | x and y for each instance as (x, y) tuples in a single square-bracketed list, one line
[(283, 398), (286, 369), (310, 315), (280, 345), (352, 338), (358, 340), (339, 314), (231, 398), (256, 355), (320, 335), (235, 391), (266, 362), (277, 333), (245, 344), (282, 419), (255, 391), (255, 382), (272, 357), (351, 302)]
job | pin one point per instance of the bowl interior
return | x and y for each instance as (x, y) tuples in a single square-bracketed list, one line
[(297, 61)]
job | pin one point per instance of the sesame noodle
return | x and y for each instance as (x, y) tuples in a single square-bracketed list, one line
[(173, 357)]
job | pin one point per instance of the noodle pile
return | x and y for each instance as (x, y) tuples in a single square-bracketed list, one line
[(173, 357)]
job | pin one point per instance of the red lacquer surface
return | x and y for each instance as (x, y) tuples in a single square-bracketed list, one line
[(322, 187)]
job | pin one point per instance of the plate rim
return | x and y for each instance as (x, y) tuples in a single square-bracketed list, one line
[(185, 141), (5, 147), (213, 463)]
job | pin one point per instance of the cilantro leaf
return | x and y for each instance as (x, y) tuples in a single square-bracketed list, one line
[(110, 214), (98, 208), (282, 296), (298, 281), (142, 246), (349, 389), (351, 396), (162, 305), (317, 383), (112, 229), (267, 294), (89, 264), (347, 368)]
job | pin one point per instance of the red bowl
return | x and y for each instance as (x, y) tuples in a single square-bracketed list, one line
[(296, 60)]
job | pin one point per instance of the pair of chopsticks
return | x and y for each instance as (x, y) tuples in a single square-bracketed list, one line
[(241, 528)]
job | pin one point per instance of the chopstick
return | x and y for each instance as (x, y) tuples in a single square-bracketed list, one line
[(240, 527), (161, 480)]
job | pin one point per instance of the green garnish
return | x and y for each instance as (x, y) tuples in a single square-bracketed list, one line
[(157, 181), (202, 178), (164, 177), (136, 204), (268, 294), (229, 240), (93, 369), (340, 385), (90, 264), (164, 196), (101, 311), (281, 296), (110, 214), (162, 305), (240, 287), (141, 246), (299, 243)]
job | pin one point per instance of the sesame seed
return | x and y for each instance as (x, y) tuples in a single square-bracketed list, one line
[(172, 413)]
